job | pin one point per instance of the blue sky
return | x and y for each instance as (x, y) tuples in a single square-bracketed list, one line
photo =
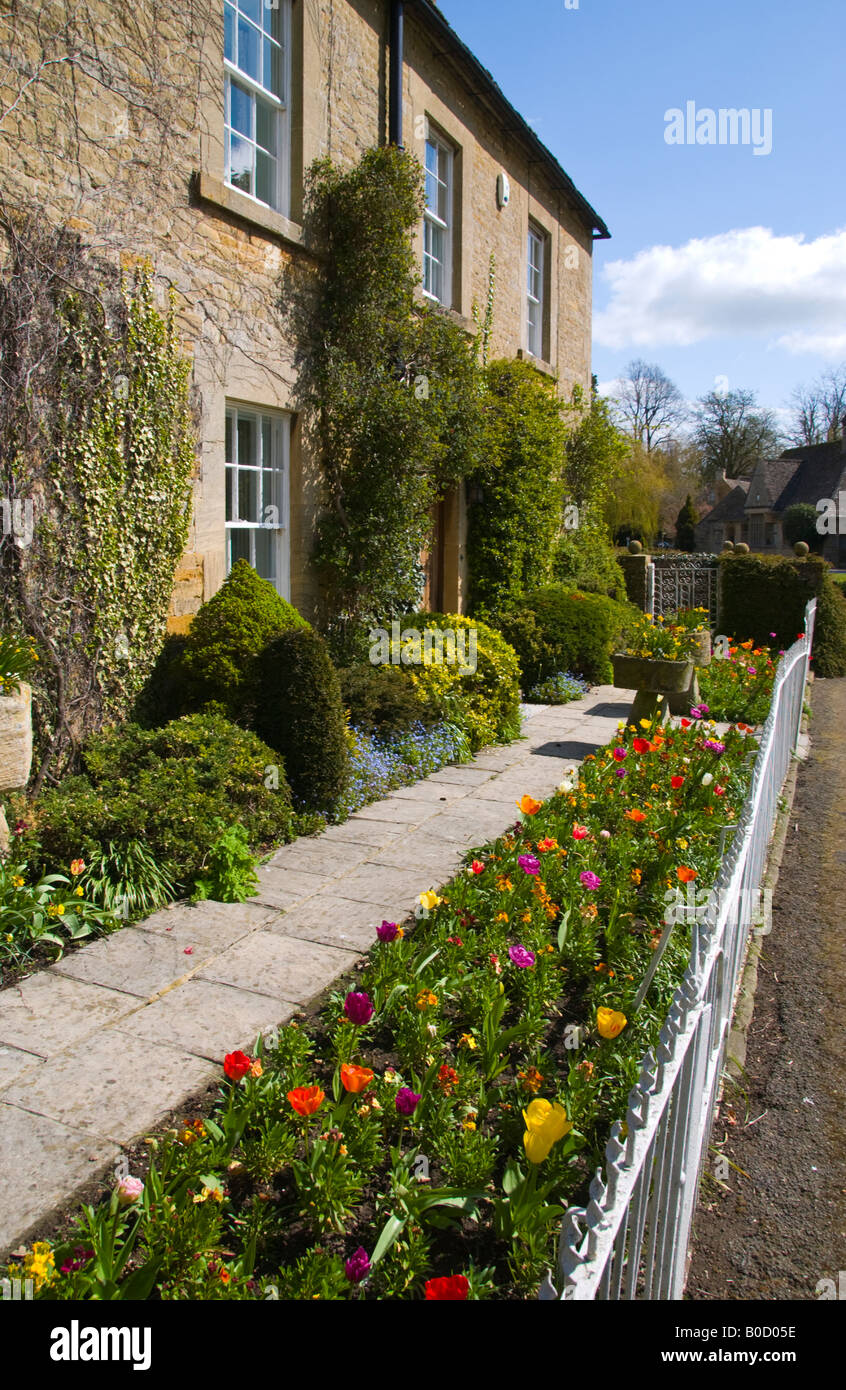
[(723, 263)]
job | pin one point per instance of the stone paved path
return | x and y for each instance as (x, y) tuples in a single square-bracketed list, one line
[(99, 1048)]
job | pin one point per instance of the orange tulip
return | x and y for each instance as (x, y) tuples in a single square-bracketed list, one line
[(529, 806), (306, 1099), (355, 1079), (635, 815), (685, 874)]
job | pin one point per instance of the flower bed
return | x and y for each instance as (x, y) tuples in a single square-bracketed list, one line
[(740, 685), (423, 1133)]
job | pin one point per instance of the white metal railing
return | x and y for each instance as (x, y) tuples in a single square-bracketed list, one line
[(631, 1241)]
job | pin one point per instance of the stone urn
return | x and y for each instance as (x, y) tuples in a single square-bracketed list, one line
[(15, 739), (655, 679)]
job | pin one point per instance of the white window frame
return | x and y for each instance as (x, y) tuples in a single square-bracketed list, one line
[(537, 236), (282, 108), (280, 429), (432, 218)]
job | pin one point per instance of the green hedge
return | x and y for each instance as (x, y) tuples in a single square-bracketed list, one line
[(382, 700), (558, 629), (300, 714), (765, 594), (226, 639), (171, 788)]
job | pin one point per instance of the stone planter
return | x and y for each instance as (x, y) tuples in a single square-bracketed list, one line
[(653, 674), (652, 678), (15, 739)]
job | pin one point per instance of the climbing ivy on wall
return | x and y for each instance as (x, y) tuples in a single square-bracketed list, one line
[(96, 435)]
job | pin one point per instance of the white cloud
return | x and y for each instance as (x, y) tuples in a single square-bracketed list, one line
[(747, 282)]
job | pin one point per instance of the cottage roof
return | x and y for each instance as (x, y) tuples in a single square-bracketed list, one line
[(731, 507), (485, 88)]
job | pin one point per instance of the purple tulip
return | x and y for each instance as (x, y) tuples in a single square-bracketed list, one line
[(388, 931), (406, 1101), (529, 864), (621, 772), (358, 1008), (699, 711), (589, 880), (714, 747), (520, 957), (357, 1267)]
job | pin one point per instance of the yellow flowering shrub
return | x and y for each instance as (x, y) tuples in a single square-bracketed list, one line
[(485, 702)]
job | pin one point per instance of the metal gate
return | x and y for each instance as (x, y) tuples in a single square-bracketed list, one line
[(689, 583)]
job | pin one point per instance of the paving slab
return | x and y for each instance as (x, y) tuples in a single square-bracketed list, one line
[(377, 883), (140, 963), (281, 887), (339, 922), (393, 809), (42, 1162), (113, 1085), (425, 853), (438, 793), (210, 925), (46, 1013), (365, 832), (207, 1019), (266, 964), (459, 775), (317, 856), (14, 1063)]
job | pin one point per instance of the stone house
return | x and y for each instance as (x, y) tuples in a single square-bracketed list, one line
[(188, 143), (753, 509)]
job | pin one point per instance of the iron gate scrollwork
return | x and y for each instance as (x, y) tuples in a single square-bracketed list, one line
[(689, 583)]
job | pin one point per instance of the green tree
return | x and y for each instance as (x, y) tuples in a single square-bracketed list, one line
[(733, 434), (685, 524), (800, 524)]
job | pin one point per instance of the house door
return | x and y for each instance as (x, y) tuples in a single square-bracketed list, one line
[(433, 562)]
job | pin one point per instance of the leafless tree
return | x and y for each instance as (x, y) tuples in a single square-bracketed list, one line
[(733, 434), (818, 409), (649, 404)]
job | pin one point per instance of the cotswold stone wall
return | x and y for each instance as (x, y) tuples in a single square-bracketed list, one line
[(125, 145)]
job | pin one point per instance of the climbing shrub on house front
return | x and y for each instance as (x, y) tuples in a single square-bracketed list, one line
[(393, 392), (96, 438)]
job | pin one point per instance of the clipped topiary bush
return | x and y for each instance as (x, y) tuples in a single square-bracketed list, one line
[(765, 594), (382, 700), (227, 637), (163, 695), (485, 702), (557, 629), (173, 789), (300, 714)]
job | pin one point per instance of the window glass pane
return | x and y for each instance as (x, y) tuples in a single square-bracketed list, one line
[(272, 76), (239, 546), (431, 157), (240, 109), (270, 496), (265, 539), (266, 125), (248, 495), (228, 443), (248, 49), (252, 9), (431, 192), (273, 19), (443, 193), (246, 440), (241, 164), (230, 475), (229, 33), (265, 178)]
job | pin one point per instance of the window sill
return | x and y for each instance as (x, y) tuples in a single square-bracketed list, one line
[(545, 367), (428, 301), (222, 195)]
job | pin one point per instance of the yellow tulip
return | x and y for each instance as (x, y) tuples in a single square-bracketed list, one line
[(610, 1023), (546, 1123), (429, 900)]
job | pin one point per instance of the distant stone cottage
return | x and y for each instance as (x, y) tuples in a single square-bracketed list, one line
[(753, 510)]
